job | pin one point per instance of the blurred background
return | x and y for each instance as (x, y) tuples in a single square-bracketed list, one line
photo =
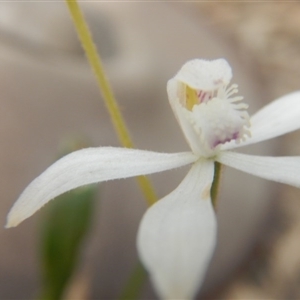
[(48, 96)]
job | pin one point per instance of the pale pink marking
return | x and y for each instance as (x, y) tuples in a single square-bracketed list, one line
[(234, 136), (203, 96)]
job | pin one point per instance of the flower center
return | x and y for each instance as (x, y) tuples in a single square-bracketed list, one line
[(217, 116)]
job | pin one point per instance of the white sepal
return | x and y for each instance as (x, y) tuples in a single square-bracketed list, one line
[(279, 169), (177, 235), (89, 166)]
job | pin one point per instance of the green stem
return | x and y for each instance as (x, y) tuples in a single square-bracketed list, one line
[(214, 192), (106, 91)]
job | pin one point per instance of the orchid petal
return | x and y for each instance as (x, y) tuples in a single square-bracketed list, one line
[(89, 166), (205, 75), (175, 92), (277, 118), (279, 169), (200, 75), (177, 235)]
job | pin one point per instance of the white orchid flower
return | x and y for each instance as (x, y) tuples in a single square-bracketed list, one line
[(177, 235)]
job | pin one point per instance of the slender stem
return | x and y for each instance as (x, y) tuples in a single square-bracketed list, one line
[(111, 104), (214, 192), (138, 275)]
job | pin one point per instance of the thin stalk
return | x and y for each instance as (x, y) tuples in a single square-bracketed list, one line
[(106, 91), (214, 192)]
